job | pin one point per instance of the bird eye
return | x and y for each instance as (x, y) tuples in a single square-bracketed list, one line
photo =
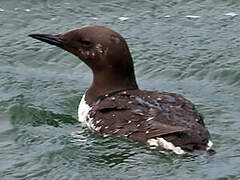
[(85, 43)]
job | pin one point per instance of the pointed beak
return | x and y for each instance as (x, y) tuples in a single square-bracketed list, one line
[(50, 39)]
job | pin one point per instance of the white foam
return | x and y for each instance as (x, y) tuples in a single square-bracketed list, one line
[(192, 17), (161, 142), (232, 14), (123, 18)]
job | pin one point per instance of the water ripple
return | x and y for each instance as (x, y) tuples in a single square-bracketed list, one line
[(188, 47)]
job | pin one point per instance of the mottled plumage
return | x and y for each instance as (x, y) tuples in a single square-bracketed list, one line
[(114, 105), (143, 115)]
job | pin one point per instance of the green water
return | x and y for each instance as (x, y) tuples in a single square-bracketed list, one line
[(41, 86)]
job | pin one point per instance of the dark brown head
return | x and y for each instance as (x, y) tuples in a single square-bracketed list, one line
[(104, 51)]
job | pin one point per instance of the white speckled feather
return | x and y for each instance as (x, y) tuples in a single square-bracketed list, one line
[(161, 142)]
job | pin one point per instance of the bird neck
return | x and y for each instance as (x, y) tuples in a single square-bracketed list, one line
[(106, 83)]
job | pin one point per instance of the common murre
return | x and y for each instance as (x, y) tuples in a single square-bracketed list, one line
[(114, 105)]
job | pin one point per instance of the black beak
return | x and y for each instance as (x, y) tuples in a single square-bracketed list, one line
[(50, 39)]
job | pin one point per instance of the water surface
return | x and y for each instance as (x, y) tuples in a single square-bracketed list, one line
[(187, 47)]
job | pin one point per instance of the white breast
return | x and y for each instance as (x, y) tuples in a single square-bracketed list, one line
[(83, 115), (83, 110)]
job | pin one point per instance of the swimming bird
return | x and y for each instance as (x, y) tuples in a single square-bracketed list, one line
[(115, 106)]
